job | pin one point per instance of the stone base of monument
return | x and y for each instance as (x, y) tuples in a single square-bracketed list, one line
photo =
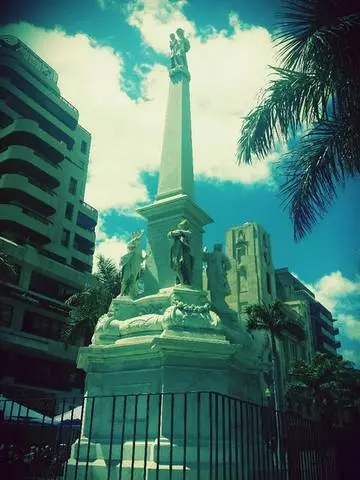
[(149, 369), (154, 460)]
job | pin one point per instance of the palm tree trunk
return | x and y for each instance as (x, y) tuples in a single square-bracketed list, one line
[(276, 373)]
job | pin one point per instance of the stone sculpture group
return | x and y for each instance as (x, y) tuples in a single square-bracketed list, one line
[(132, 265)]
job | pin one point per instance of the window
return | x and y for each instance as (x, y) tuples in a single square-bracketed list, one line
[(69, 211), (41, 326), (50, 287), (83, 147), (65, 237), (268, 283), (72, 185), (6, 312)]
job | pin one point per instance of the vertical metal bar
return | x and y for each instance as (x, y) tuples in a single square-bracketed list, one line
[(217, 436), (248, 440), (89, 440), (79, 439), (230, 438), (12, 408), (318, 452), (279, 449), (252, 426), (265, 437), (62, 421), (172, 398), (299, 443), (242, 431), (198, 435), (309, 443), (306, 452), (146, 432), (210, 436), (258, 443), (236, 426), (111, 436), (158, 435), (276, 443), (185, 435), (223, 437), (134, 437), (68, 439), (123, 427)]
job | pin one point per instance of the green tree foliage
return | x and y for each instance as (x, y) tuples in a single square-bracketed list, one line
[(314, 95), (330, 384), (87, 306), (276, 323)]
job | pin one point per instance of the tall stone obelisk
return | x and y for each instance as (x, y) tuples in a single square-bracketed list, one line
[(175, 196)]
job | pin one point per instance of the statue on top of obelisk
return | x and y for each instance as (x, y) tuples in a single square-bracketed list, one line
[(179, 46)]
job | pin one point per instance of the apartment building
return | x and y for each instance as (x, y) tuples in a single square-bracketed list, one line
[(45, 226), (324, 333)]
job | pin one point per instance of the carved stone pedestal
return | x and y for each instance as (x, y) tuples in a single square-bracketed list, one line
[(164, 344)]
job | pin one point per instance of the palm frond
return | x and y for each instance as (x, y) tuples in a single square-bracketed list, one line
[(7, 268), (292, 99), (316, 33), (88, 306), (315, 166)]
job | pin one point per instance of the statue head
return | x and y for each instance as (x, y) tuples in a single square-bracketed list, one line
[(218, 247), (172, 36), (184, 225), (180, 32)]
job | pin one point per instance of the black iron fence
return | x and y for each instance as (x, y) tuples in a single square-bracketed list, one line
[(187, 436)]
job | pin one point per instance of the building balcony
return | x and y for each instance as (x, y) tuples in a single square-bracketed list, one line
[(79, 265), (27, 133), (82, 256), (26, 223), (330, 341), (88, 210), (326, 333), (326, 348), (16, 66), (28, 342), (28, 192), (87, 235), (27, 107), (24, 160)]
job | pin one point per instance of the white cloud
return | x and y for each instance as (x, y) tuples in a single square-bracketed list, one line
[(332, 289), (228, 68), (340, 295), (111, 247), (352, 356), (155, 19), (349, 326)]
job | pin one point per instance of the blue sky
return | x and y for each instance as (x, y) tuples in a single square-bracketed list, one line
[(111, 60)]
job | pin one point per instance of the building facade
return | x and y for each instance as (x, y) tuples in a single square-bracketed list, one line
[(254, 281), (321, 321), (46, 228)]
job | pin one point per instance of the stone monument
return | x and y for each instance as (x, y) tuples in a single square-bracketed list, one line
[(168, 339), (217, 266)]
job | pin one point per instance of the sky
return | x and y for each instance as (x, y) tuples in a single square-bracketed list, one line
[(111, 57)]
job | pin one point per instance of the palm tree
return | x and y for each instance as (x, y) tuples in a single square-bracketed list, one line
[(87, 306), (328, 383), (276, 323), (314, 99)]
